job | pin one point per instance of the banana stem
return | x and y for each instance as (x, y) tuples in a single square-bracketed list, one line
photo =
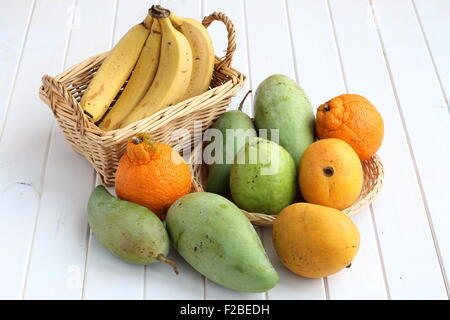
[(162, 258), (158, 12), (241, 105)]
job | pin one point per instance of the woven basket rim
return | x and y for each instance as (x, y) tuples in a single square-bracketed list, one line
[(238, 79), (267, 220)]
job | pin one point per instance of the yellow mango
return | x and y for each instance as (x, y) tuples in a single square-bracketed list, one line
[(314, 241), (330, 174)]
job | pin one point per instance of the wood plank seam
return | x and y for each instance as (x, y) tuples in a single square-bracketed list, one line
[(416, 170), (336, 43), (16, 69), (344, 79), (45, 167), (380, 253), (430, 53), (291, 41)]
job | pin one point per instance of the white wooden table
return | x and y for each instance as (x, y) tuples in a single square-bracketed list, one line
[(394, 52)]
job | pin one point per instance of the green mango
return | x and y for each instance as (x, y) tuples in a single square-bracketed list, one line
[(128, 230), (281, 104), (218, 240), (263, 178), (236, 129)]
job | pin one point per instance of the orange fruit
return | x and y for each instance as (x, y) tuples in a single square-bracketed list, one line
[(352, 118), (152, 174), (330, 174)]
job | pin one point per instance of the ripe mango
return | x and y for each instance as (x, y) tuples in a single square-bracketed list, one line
[(281, 104), (218, 240), (330, 174), (236, 129), (128, 230), (263, 178), (314, 241)]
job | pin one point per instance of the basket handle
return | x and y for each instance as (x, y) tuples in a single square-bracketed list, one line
[(220, 16)]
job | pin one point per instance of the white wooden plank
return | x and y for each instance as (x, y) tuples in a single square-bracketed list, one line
[(270, 53), (107, 277), (234, 9), (319, 72), (23, 146), (434, 17), (269, 46), (318, 65), (12, 39), (424, 112), (412, 267), (59, 250)]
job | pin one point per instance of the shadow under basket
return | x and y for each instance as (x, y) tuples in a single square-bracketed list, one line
[(373, 180), (103, 149)]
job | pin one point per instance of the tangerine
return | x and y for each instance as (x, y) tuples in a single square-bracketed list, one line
[(354, 119), (152, 174)]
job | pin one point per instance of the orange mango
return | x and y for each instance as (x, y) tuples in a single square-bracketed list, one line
[(330, 174)]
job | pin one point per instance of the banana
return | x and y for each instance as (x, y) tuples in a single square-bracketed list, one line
[(173, 75), (114, 71), (202, 53), (140, 80)]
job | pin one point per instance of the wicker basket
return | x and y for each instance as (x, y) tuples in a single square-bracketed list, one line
[(103, 149), (373, 179)]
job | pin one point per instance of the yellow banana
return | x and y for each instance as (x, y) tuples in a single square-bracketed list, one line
[(202, 53), (173, 75), (140, 80), (114, 71)]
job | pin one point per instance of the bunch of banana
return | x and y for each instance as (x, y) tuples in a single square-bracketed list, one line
[(166, 59)]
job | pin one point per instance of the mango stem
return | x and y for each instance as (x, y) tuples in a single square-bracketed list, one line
[(162, 258), (241, 105)]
